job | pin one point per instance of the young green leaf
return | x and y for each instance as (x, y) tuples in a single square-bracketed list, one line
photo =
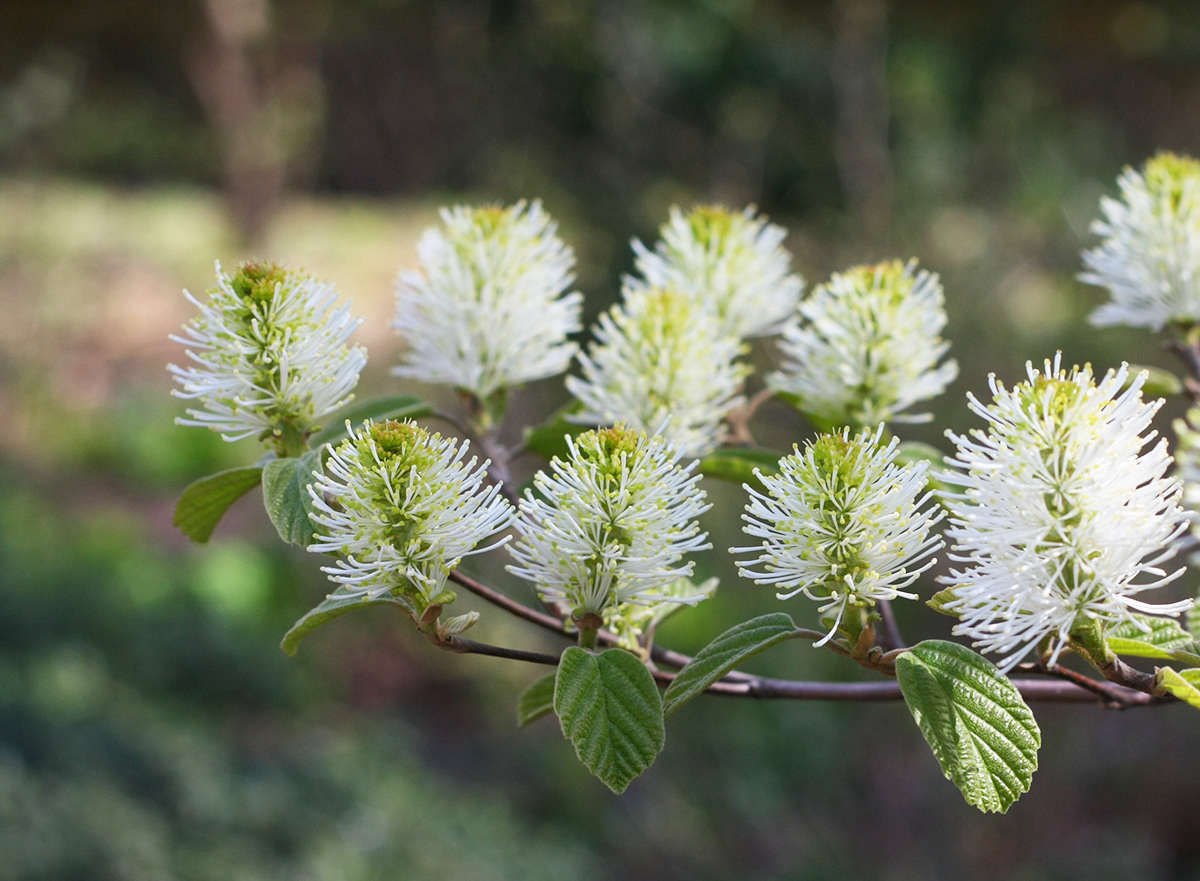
[(724, 653), (205, 502), (979, 727), (334, 606), (611, 712), (1163, 640), (938, 601), (1184, 684), (285, 494), (737, 464), (390, 407), (536, 701)]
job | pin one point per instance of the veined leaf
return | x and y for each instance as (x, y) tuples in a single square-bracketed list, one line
[(285, 494), (1165, 638), (1184, 684), (980, 729), (536, 701), (390, 407), (204, 502), (938, 601), (611, 712), (334, 606), (724, 653)]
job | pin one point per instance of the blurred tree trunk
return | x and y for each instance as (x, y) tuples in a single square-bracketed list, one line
[(264, 103), (859, 74)]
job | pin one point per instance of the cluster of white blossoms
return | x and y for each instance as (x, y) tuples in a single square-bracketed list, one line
[(268, 356), (610, 524), (842, 523), (734, 264), (1149, 258), (1062, 510), (867, 347), (659, 363), (401, 508), (487, 308)]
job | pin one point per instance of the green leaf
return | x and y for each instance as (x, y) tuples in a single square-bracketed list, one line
[(205, 502), (549, 439), (1160, 383), (611, 712), (1184, 684), (1165, 638), (391, 407), (737, 464), (938, 601), (979, 727), (536, 701), (334, 606), (724, 653), (285, 494)]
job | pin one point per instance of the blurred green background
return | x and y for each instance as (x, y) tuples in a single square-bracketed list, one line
[(150, 728)]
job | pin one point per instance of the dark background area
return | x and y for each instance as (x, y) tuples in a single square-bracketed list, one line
[(149, 725)]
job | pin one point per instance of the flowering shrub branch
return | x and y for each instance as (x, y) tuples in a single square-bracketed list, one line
[(1052, 520)]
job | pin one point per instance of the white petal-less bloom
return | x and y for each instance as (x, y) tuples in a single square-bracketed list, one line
[(400, 507), (610, 524), (268, 355), (867, 346), (1065, 512), (733, 263), (487, 308), (842, 523), (1149, 258), (660, 364)]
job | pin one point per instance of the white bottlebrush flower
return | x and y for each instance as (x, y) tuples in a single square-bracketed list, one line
[(735, 264), (401, 508), (610, 524), (660, 364), (1062, 510), (486, 310), (842, 523), (268, 356), (1149, 258), (867, 347)]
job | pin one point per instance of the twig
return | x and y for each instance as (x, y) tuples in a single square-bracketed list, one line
[(739, 419), (463, 646)]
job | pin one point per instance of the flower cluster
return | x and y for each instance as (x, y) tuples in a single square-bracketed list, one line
[(1149, 258), (1062, 510), (610, 524), (734, 264), (841, 523), (400, 507), (486, 310), (660, 364), (268, 356), (868, 346)]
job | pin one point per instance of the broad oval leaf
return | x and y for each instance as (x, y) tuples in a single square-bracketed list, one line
[(536, 701), (285, 494), (724, 653), (980, 729), (1164, 639), (737, 464), (1184, 684), (204, 502), (391, 407), (334, 606), (611, 712)]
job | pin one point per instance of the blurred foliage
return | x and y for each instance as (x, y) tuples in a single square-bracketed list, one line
[(149, 725)]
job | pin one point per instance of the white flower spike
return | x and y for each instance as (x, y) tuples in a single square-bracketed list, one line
[(842, 523), (1062, 510), (268, 356), (660, 364), (610, 524), (486, 310), (1149, 258), (401, 508), (868, 347), (734, 264)]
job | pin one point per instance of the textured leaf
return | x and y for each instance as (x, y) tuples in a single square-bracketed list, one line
[(724, 653), (333, 606), (979, 727), (550, 438), (285, 494), (205, 502), (1184, 684), (391, 407), (1166, 636), (737, 464), (611, 712), (536, 701)]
